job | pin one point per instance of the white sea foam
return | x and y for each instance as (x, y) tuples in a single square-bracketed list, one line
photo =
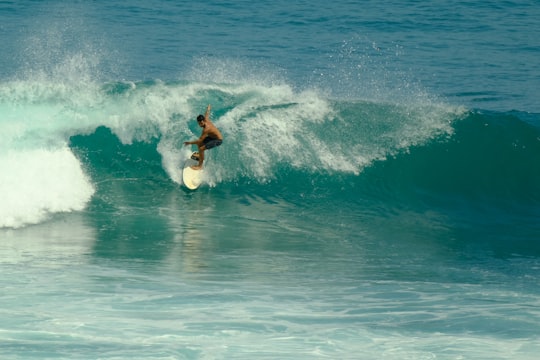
[(36, 183), (172, 159)]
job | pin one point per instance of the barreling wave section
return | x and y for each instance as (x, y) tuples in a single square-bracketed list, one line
[(482, 160), (58, 142)]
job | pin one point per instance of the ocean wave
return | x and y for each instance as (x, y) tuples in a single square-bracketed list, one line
[(274, 135)]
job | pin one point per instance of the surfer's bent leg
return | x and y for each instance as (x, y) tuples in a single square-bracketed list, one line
[(208, 143), (201, 156)]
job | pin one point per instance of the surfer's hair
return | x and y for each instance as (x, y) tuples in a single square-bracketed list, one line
[(200, 118)]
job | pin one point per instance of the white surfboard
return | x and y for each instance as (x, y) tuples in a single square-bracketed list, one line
[(192, 179)]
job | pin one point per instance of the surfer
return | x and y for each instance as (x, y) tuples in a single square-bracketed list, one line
[(210, 137)]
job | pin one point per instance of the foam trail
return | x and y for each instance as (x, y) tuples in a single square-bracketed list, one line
[(36, 183), (172, 159)]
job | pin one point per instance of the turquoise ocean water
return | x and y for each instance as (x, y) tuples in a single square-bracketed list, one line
[(377, 194)]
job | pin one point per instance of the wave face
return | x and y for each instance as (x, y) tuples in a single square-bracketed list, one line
[(60, 142)]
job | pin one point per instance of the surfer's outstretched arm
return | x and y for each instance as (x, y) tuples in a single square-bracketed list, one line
[(207, 113)]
